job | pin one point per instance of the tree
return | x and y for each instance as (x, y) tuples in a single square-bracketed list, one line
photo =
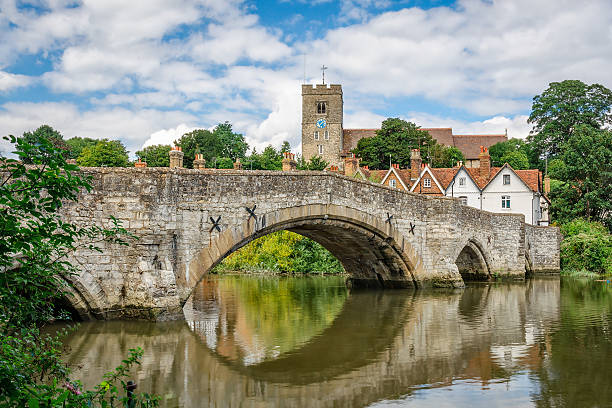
[(587, 173), (48, 133), (517, 160), (271, 159), (105, 153), (562, 108), (224, 163), (315, 163), (445, 156), (77, 144), (209, 144), (155, 155), (285, 147), (233, 144), (34, 272), (394, 142)]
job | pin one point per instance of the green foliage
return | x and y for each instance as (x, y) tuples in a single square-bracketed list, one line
[(282, 251), (221, 142), (556, 169), (225, 163), (586, 246), (517, 160), (155, 155), (48, 133), (587, 155), (315, 163), (34, 272), (105, 153), (558, 112), (233, 144), (445, 156), (203, 140), (77, 144), (395, 140), (269, 159), (501, 149)]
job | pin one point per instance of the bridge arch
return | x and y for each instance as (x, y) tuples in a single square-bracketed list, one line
[(472, 261), (370, 249)]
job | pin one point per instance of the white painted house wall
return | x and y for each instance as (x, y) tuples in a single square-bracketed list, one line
[(469, 190), (521, 197)]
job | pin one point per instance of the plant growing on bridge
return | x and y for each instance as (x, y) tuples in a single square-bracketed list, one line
[(34, 272)]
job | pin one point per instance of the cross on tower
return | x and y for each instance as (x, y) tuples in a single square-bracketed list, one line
[(323, 68)]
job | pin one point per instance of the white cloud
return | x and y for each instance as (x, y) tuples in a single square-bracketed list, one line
[(132, 127), (167, 136), (480, 56), (10, 81)]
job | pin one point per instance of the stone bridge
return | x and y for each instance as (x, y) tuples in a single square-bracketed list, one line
[(187, 221)]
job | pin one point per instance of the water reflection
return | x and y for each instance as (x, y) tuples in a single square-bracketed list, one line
[(290, 342)]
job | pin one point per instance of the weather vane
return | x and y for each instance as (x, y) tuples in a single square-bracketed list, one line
[(323, 68)]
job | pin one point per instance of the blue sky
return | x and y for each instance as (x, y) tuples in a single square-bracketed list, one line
[(146, 71)]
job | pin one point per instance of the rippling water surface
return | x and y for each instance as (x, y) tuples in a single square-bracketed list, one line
[(310, 342)]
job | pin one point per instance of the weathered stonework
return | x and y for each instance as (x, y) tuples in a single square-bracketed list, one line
[(383, 237)]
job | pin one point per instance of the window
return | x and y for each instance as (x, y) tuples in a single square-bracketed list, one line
[(392, 183), (326, 135), (505, 201), (316, 135), (462, 181), (463, 200), (506, 179), (321, 107), (320, 149), (427, 183)]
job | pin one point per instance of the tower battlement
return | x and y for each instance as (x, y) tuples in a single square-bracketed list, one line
[(321, 89)]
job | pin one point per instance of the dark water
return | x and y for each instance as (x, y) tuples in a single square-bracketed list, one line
[(309, 342)]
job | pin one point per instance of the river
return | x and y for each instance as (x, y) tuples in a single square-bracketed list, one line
[(311, 342)]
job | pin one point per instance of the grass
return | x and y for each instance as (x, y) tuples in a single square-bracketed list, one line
[(580, 273)]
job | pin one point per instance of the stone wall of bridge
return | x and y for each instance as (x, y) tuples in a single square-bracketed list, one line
[(187, 221)]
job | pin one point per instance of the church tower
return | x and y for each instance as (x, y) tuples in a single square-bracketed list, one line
[(322, 108)]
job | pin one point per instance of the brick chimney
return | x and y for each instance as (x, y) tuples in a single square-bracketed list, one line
[(176, 157), (238, 164), (415, 164), (289, 163), (485, 163), (140, 164), (351, 165), (546, 184), (199, 162)]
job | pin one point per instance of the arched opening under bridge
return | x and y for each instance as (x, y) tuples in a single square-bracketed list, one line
[(472, 263), (373, 252)]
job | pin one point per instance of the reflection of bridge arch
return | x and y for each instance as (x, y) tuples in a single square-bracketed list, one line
[(370, 249), (364, 329)]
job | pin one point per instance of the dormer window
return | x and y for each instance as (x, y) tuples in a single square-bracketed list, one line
[(427, 183), (321, 107), (392, 183)]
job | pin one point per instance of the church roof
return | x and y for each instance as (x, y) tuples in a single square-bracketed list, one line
[(469, 145)]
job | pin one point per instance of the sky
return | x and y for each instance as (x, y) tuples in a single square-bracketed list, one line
[(148, 71)]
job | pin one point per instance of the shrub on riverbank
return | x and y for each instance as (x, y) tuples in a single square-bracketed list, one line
[(586, 246), (282, 251)]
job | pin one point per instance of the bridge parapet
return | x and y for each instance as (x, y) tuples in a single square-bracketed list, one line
[(189, 220)]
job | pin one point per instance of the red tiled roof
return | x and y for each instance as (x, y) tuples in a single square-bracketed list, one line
[(444, 175), (442, 135), (530, 177), (470, 144), (352, 136)]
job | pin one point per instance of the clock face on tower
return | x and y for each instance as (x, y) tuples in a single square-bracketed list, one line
[(321, 123)]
